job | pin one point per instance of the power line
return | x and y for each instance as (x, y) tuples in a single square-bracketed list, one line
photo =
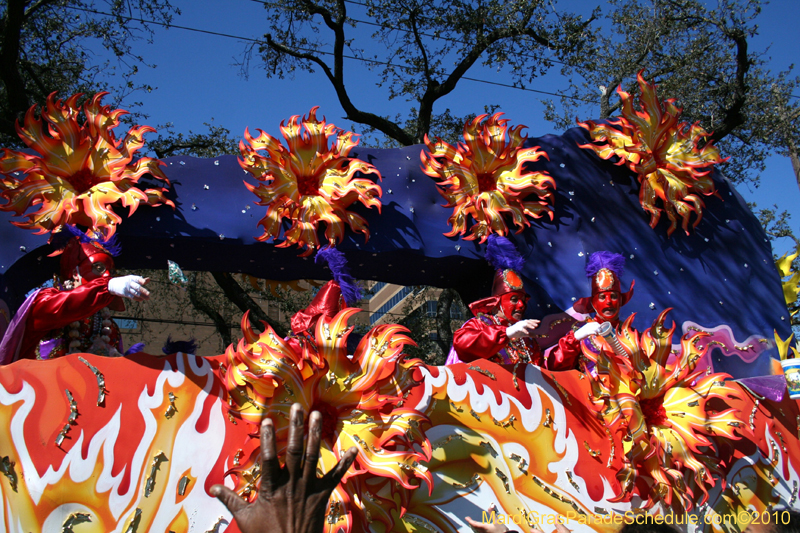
[(395, 28), (321, 52), (369, 23)]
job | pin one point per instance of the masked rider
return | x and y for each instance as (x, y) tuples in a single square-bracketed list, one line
[(604, 270), (498, 332), (74, 316)]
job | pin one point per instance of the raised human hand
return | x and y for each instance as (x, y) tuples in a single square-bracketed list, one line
[(523, 328), (291, 499)]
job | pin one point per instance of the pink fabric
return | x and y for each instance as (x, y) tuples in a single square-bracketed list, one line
[(452, 358)]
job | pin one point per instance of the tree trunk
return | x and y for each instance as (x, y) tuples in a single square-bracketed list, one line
[(220, 323), (443, 329), (243, 301)]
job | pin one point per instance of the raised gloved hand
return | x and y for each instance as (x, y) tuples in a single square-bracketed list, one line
[(523, 328), (129, 287), (587, 329)]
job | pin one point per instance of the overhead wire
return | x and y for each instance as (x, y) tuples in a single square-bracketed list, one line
[(321, 52)]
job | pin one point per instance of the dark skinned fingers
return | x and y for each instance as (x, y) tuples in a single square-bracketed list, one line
[(270, 466), (294, 449), (229, 499), (332, 478), (312, 446)]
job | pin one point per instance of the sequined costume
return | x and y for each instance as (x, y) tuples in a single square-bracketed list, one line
[(490, 335), (484, 337), (604, 270), (52, 318)]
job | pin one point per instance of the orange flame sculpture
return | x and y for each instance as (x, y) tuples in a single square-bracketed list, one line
[(486, 176), (663, 152), (669, 413), (80, 170), (309, 182), (361, 400)]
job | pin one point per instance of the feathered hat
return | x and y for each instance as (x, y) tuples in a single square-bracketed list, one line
[(507, 262), (75, 247), (605, 270), (333, 296)]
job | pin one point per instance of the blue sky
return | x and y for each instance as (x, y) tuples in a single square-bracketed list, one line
[(197, 79)]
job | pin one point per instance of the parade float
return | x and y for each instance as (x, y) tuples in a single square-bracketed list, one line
[(686, 414)]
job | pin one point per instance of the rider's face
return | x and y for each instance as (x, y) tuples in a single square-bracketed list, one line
[(607, 305), (513, 305), (96, 266)]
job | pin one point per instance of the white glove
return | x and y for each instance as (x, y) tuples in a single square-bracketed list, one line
[(587, 329), (523, 328), (129, 287)]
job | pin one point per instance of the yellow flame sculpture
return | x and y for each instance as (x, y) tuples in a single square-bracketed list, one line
[(309, 182), (487, 176), (673, 171), (361, 399), (790, 279), (79, 171), (662, 406)]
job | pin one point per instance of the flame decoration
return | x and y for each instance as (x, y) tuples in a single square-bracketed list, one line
[(663, 152), (664, 409), (361, 400), (790, 279), (80, 170), (309, 182), (486, 176)]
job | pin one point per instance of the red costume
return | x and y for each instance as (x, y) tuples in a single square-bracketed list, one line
[(60, 320), (486, 336), (604, 269), (332, 297)]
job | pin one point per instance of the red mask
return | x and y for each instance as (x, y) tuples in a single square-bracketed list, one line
[(96, 266), (513, 305), (606, 304)]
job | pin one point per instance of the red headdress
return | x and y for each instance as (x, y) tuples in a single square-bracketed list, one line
[(504, 257), (333, 296), (77, 247), (604, 269)]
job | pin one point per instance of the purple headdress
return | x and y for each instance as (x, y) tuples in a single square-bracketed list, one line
[(502, 254), (60, 239), (507, 262), (603, 259), (614, 263), (337, 262)]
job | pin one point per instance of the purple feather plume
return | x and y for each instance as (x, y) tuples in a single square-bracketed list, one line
[(613, 262), (60, 239), (136, 348), (172, 346), (502, 254), (337, 262)]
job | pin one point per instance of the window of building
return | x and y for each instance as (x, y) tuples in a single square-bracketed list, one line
[(393, 301), (431, 308)]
